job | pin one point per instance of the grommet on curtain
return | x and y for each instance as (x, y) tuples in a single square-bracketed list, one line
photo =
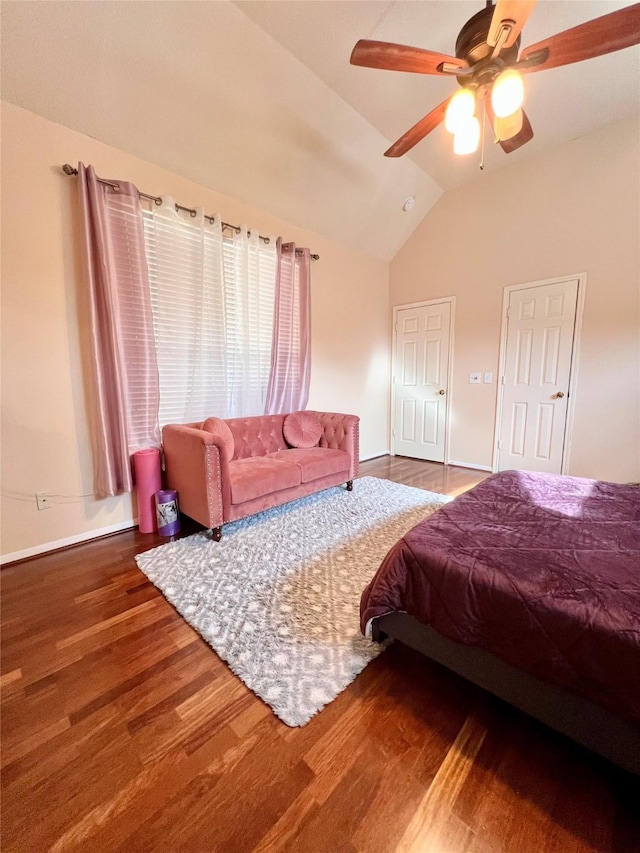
[(157, 200)]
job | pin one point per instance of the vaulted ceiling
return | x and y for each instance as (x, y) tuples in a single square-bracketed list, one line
[(258, 101)]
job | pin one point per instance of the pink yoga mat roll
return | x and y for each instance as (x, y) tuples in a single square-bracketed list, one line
[(146, 468)]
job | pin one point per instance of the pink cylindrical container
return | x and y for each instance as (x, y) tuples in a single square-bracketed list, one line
[(146, 468)]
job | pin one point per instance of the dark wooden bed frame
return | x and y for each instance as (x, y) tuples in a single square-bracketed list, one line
[(568, 713)]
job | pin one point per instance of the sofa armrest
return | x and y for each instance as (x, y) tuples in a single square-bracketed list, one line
[(196, 465), (342, 432)]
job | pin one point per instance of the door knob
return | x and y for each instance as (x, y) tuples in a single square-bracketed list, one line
[(560, 395), (442, 391)]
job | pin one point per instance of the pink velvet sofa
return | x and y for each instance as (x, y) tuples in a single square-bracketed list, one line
[(224, 470)]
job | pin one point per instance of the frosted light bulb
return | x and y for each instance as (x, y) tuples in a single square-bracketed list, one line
[(507, 93), (467, 137), (461, 108), (506, 128)]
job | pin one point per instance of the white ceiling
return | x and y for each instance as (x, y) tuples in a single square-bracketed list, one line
[(258, 101)]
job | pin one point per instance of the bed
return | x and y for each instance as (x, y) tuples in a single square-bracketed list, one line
[(528, 585)]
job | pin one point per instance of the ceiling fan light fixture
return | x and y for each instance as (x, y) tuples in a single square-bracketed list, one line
[(461, 108), (509, 126), (467, 138), (507, 93), (490, 41)]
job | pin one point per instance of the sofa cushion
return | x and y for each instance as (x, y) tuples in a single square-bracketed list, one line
[(315, 462), (256, 476), (221, 428), (302, 429)]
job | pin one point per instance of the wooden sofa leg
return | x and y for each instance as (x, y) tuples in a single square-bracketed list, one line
[(216, 534), (349, 485)]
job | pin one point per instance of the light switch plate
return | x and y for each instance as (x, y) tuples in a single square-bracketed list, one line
[(488, 378), (475, 378)]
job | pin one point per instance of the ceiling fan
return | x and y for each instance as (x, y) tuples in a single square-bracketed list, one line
[(488, 68)]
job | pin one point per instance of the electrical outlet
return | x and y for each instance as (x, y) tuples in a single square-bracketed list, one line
[(488, 378), (475, 378), (43, 500)]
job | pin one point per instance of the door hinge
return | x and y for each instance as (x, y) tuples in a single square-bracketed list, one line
[(393, 433), (508, 311), (499, 444), (502, 380)]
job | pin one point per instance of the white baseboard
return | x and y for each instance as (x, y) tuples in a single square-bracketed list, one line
[(64, 543), (470, 465), (451, 462)]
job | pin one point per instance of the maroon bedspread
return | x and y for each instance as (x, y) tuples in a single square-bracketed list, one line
[(541, 570)]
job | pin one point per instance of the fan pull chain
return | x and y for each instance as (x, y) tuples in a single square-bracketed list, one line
[(484, 118)]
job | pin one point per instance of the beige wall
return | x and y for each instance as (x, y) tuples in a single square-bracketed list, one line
[(45, 440), (574, 210)]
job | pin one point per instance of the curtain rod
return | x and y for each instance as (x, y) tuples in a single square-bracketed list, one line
[(69, 170)]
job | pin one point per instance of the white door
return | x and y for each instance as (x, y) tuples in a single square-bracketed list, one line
[(537, 367), (420, 380)]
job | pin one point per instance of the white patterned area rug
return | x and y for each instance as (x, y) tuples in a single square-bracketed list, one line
[(278, 598)]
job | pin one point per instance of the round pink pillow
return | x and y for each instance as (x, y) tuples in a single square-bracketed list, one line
[(221, 429), (302, 429)]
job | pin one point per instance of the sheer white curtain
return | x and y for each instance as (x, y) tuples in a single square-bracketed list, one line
[(187, 301), (212, 300), (250, 282), (288, 389)]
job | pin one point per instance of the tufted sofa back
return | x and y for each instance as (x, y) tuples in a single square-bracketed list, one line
[(257, 436), (333, 430), (262, 434)]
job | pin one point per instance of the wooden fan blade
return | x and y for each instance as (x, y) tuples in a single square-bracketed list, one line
[(521, 138), (511, 13), (400, 57), (418, 131), (611, 32)]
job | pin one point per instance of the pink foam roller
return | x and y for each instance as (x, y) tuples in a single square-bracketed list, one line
[(146, 468)]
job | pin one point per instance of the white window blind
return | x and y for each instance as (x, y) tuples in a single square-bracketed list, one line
[(212, 300)]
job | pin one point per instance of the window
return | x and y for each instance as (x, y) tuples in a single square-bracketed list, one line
[(212, 299)]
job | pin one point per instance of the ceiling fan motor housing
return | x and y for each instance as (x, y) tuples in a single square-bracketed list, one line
[(471, 43)]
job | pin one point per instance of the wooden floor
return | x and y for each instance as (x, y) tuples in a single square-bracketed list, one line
[(123, 731)]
